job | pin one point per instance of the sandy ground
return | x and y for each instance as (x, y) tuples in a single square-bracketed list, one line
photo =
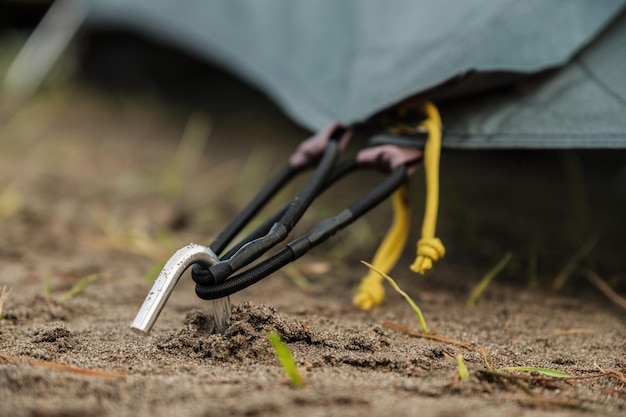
[(101, 184)]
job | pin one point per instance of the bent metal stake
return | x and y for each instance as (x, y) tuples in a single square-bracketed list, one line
[(218, 275)]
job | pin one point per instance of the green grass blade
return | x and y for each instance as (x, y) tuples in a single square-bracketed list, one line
[(416, 309), (188, 156), (11, 201), (153, 273), (80, 286), (553, 373), (489, 276), (488, 360), (573, 262), (519, 384), (460, 364), (3, 296), (298, 278), (605, 288), (510, 378), (286, 360)]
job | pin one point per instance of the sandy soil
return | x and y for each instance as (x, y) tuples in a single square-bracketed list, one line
[(98, 184)]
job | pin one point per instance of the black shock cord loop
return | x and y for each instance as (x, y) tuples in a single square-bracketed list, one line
[(295, 249), (278, 231), (201, 274)]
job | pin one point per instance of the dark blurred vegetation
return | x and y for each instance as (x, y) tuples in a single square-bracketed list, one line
[(22, 14)]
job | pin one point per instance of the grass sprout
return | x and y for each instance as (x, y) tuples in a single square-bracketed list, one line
[(503, 373), (553, 373), (510, 378), (3, 297), (298, 278), (416, 309), (488, 359), (80, 286), (460, 364), (128, 237), (153, 273), (573, 262), (605, 288), (489, 276), (187, 158), (11, 201), (286, 359)]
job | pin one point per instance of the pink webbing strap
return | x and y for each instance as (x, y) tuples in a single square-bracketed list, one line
[(311, 150), (389, 157)]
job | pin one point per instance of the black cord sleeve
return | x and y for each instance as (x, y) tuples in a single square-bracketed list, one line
[(258, 202), (321, 232), (340, 171), (203, 276), (279, 230)]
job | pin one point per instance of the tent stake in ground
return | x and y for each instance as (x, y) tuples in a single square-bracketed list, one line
[(217, 277)]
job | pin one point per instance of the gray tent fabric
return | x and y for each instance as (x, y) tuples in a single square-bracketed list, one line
[(582, 105), (327, 60)]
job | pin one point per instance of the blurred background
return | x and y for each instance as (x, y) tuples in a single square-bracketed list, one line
[(132, 145)]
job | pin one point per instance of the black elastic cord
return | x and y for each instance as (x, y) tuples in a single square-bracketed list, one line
[(321, 232), (298, 206), (338, 173), (278, 231), (258, 202), (201, 274)]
